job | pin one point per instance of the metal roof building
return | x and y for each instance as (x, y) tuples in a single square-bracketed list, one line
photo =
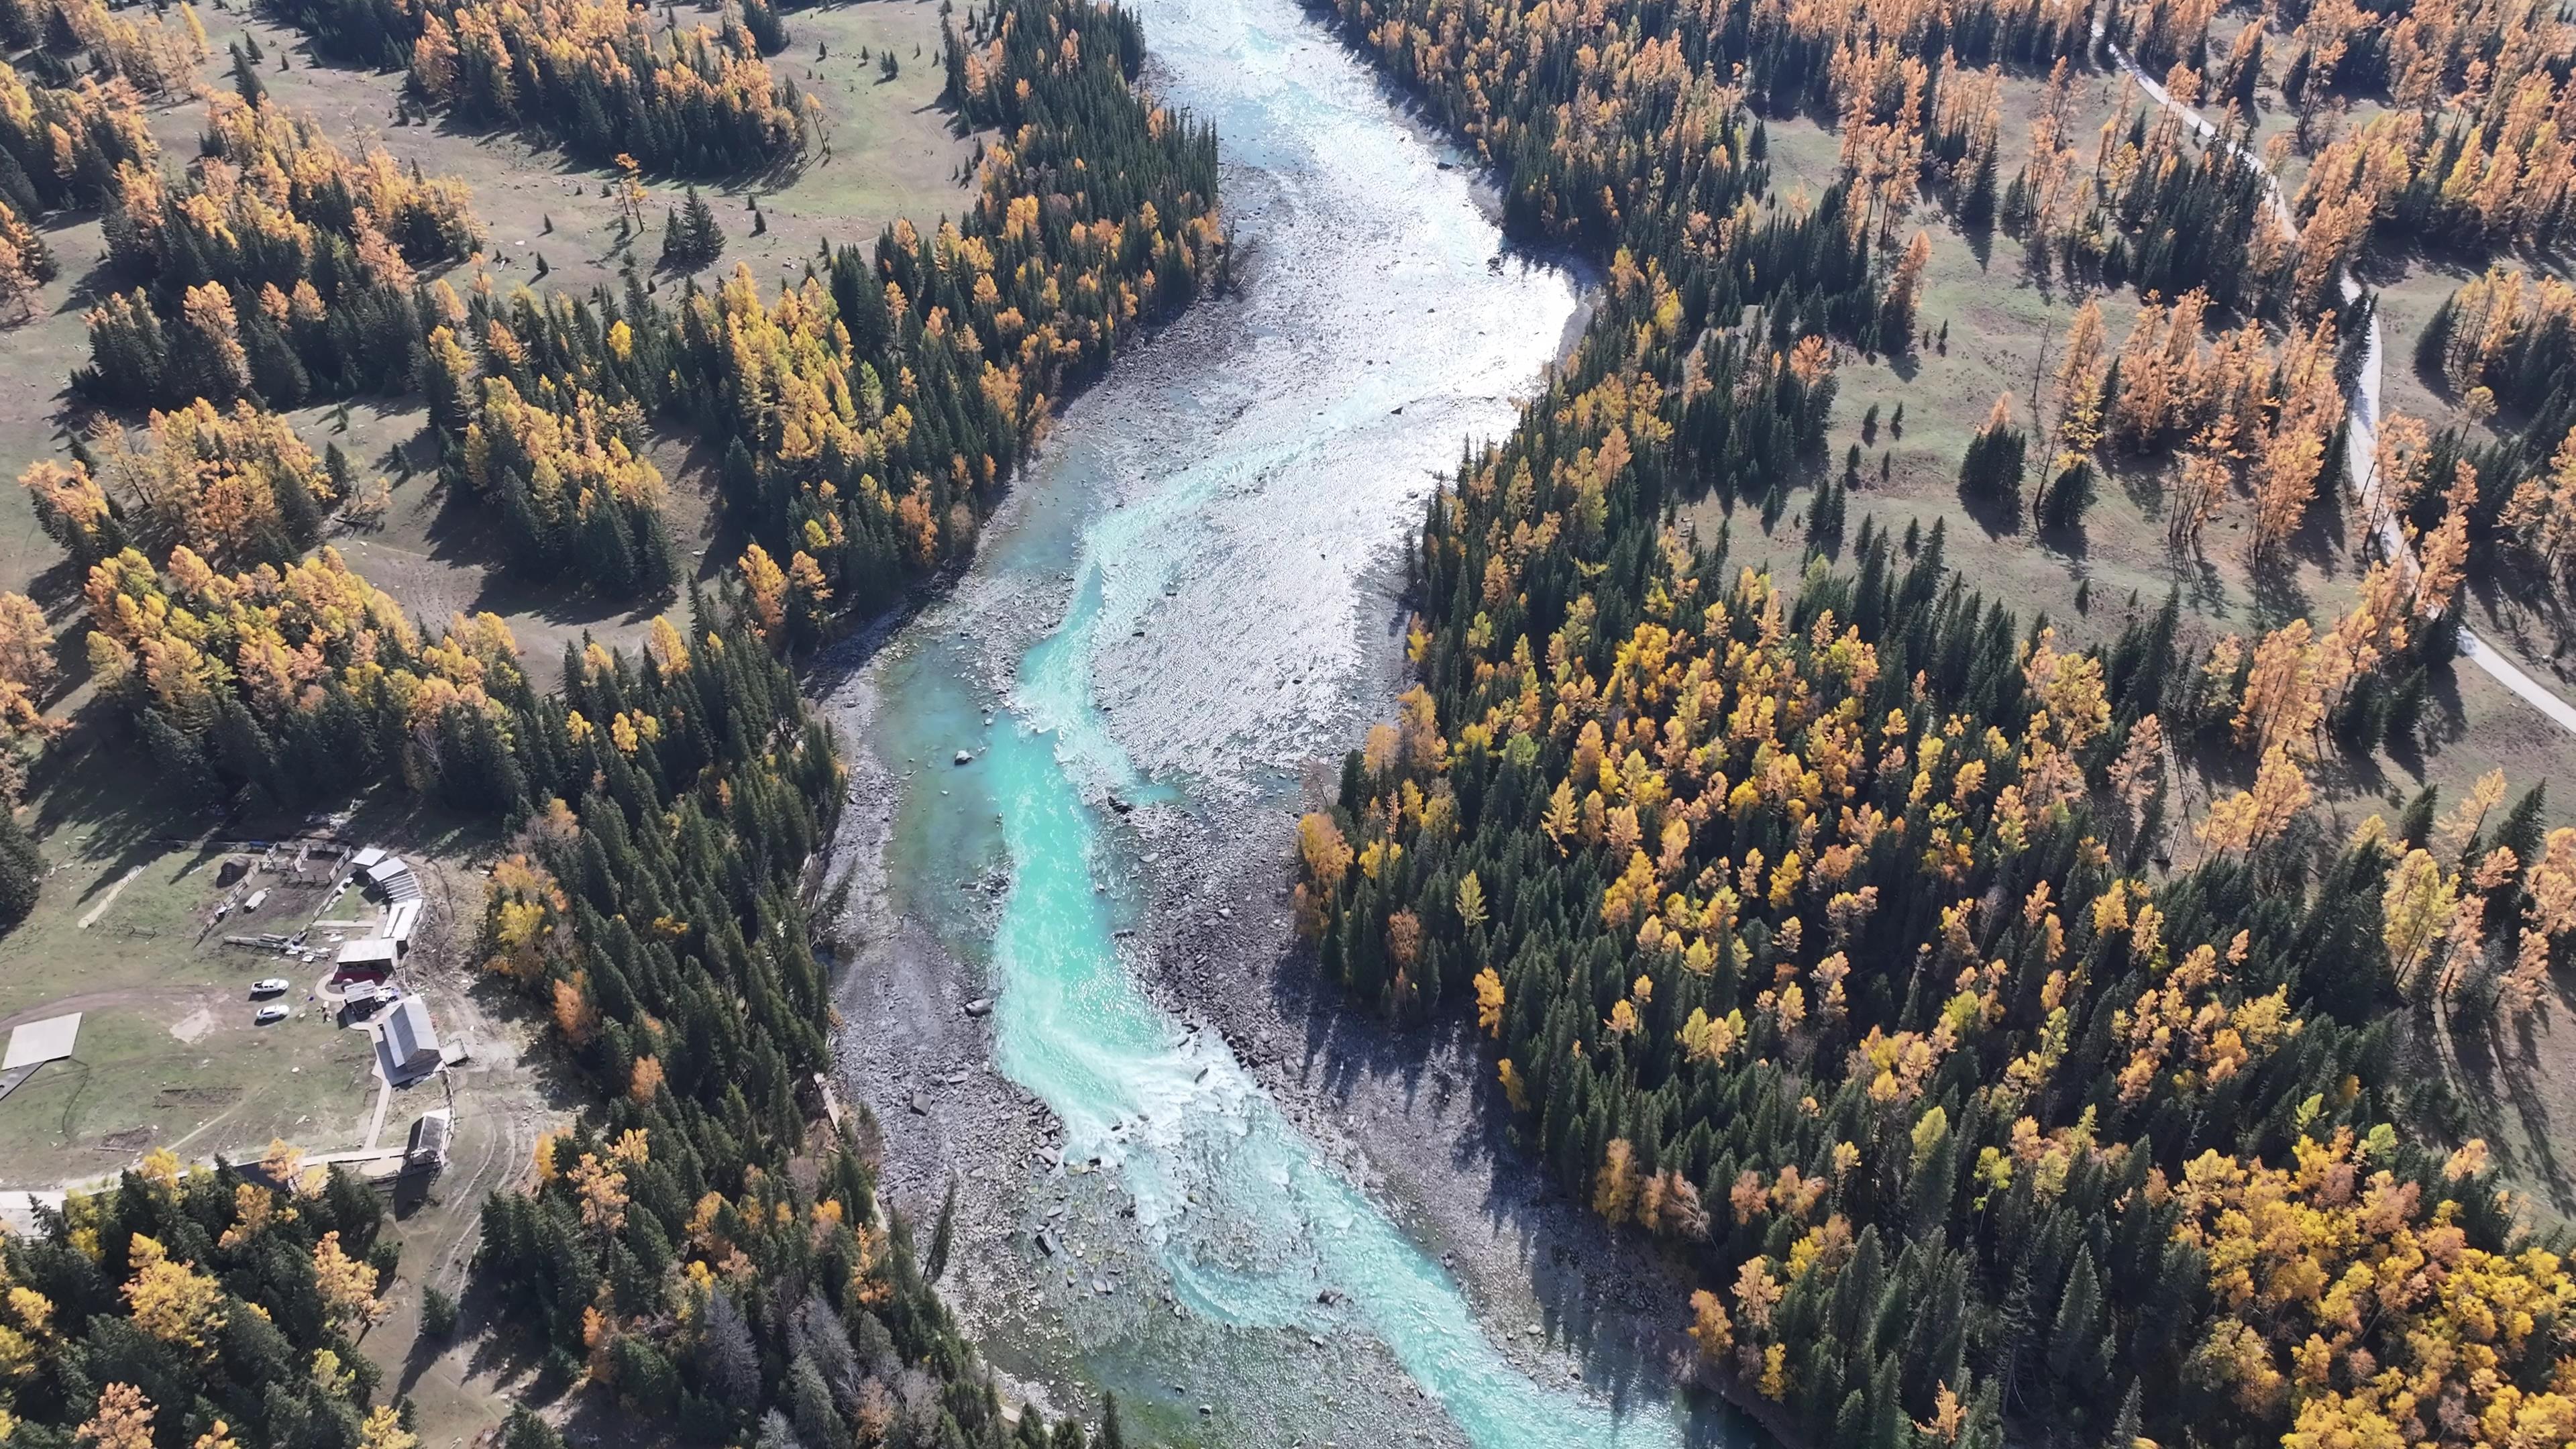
[(428, 1148), (411, 1043), (386, 873)]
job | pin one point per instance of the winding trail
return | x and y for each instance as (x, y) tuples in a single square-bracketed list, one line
[(2361, 437)]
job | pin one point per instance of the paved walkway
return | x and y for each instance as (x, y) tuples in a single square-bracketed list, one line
[(2361, 437)]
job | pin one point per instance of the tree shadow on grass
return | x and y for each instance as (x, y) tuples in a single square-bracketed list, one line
[(2510, 600), (2277, 594), (2068, 540), (2204, 589), (465, 536), (2445, 721), (2495, 1077), (92, 286), (97, 786), (2355, 773), (57, 590), (2000, 515)]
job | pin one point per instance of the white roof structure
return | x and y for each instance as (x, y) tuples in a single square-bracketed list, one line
[(18, 1209), (39, 1042), (367, 857), (410, 1041), (375, 952), (401, 920)]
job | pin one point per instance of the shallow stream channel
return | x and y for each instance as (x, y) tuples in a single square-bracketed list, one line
[(1181, 618)]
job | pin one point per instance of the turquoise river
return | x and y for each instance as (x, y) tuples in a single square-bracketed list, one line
[(1186, 602)]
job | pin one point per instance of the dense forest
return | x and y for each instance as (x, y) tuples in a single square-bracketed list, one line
[(709, 1245), (871, 415), (868, 417), (2472, 150), (277, 267), (601, 79), (2502, 345), (101, 129), (199, 1307), (1805, 946), (1823, 930)]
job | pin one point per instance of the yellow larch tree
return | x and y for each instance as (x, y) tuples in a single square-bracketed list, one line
[(172, 1301)]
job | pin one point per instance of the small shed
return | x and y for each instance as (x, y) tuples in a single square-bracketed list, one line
[(428, 1149), (411, 1043)]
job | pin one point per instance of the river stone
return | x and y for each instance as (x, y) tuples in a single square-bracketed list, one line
[(965, 757), (980, 1006)]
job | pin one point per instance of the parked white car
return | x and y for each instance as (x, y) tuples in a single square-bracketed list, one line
[(269, 1014), (270, 987)]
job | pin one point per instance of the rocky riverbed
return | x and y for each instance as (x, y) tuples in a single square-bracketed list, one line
[(1184, 1173)]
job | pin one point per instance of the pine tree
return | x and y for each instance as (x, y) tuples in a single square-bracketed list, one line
[(21, 868), (1993, 465), (690, 236), (246, 81), (2075, 1343), (675, 241), (706, 238), (2128, 1429)]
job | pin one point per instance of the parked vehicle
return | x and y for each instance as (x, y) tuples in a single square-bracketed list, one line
[(270, 987), (269, 1014)]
